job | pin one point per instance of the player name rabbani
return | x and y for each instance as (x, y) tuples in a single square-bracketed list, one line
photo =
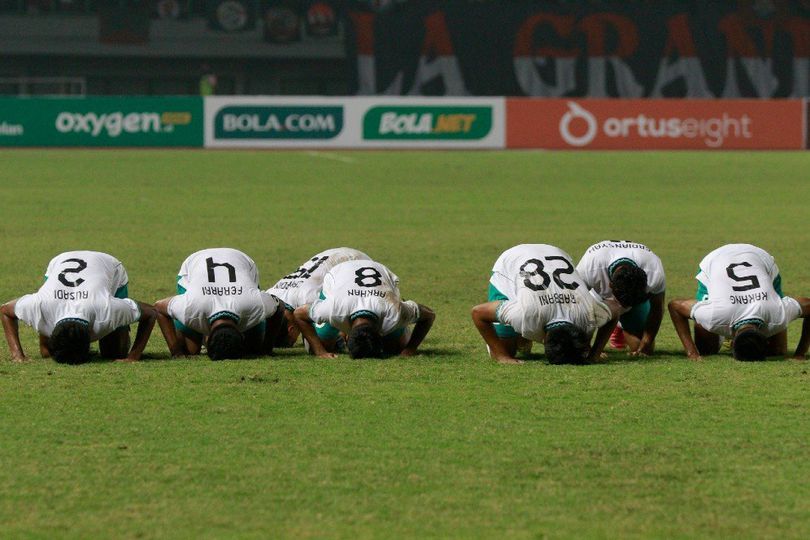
[(748, 298), (556, 298), (231, 290)]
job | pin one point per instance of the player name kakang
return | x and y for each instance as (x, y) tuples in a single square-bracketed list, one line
[(748, 298)]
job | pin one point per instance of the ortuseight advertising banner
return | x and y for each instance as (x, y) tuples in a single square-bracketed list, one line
[(295, 122), (651, 124), (102, 121)]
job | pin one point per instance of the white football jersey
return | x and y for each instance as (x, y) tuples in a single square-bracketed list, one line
[(220, 280), (363, 285), (82, 285), (302, 286), (543, 287), (595, 264), (739, 279)]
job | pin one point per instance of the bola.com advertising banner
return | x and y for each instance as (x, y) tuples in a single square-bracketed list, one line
[(650, 124), (323, 122)]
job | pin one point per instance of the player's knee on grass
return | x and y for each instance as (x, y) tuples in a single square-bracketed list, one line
[(706, 342), (567, 344), (70, 342), (115, 344), (749, 345), (225, 342)]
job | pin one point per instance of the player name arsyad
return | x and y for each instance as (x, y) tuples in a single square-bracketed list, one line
[(288, 285)]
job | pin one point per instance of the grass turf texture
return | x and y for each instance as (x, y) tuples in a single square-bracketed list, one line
[(446, 444)]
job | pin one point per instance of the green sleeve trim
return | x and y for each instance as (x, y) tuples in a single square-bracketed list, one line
[(777, 284), (180, 288), (702, 292), (123, 291)]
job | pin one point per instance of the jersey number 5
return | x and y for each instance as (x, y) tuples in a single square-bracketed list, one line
[(80, 265), (753, 282)]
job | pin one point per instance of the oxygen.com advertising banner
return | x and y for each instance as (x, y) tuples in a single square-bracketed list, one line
[(319, 122), (101, 121), (655, 124)]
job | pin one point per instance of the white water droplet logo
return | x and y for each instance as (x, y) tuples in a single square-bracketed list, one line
[(576, 111)]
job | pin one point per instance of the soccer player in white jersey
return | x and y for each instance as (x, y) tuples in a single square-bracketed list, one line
[(361, 299), (302, 287), (219, 299), (535, 293), (632, 274), (740, 297), (83, 299)]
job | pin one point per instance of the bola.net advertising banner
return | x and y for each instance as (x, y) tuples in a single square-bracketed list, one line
[(102, 121), (322, 122), (628, 49)]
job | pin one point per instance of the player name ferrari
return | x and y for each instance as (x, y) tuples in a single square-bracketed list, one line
[(71, 295), (556, 298), (232, 290), (748, 298), (363, 293)]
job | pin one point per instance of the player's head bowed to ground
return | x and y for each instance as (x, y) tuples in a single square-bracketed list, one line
[(633, 275), (83, 299), (219, 303), (739, 296), (535, 294), (302, 287), (360, 299)]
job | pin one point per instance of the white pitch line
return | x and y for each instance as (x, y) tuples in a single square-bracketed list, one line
[(333, 157)]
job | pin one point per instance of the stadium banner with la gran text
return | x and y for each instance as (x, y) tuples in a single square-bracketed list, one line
[(546, 48), (323, 122), (656, 124), (102, 121)]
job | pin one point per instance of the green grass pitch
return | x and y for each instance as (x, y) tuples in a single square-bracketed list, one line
[(447, 444)]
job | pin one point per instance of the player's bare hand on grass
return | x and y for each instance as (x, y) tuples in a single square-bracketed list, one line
[(327, 355), (407, 352), (19, 358), (508, 360)]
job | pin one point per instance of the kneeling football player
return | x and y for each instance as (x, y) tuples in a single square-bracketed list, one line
[(361, 298), (632, 274), (535, 294), (83, 299), (219, 300), (740, 297), (302, 287)]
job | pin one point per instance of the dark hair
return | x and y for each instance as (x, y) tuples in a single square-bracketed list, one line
[(364, 342), (70, 342), (567, 344), (225, 342), (749, 344), (629, 285)]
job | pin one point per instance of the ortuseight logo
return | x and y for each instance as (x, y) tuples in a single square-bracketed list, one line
[(427, 123), (579, 127), (278, 122)]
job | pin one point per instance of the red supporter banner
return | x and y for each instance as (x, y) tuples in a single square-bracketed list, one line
[(655, 124)]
